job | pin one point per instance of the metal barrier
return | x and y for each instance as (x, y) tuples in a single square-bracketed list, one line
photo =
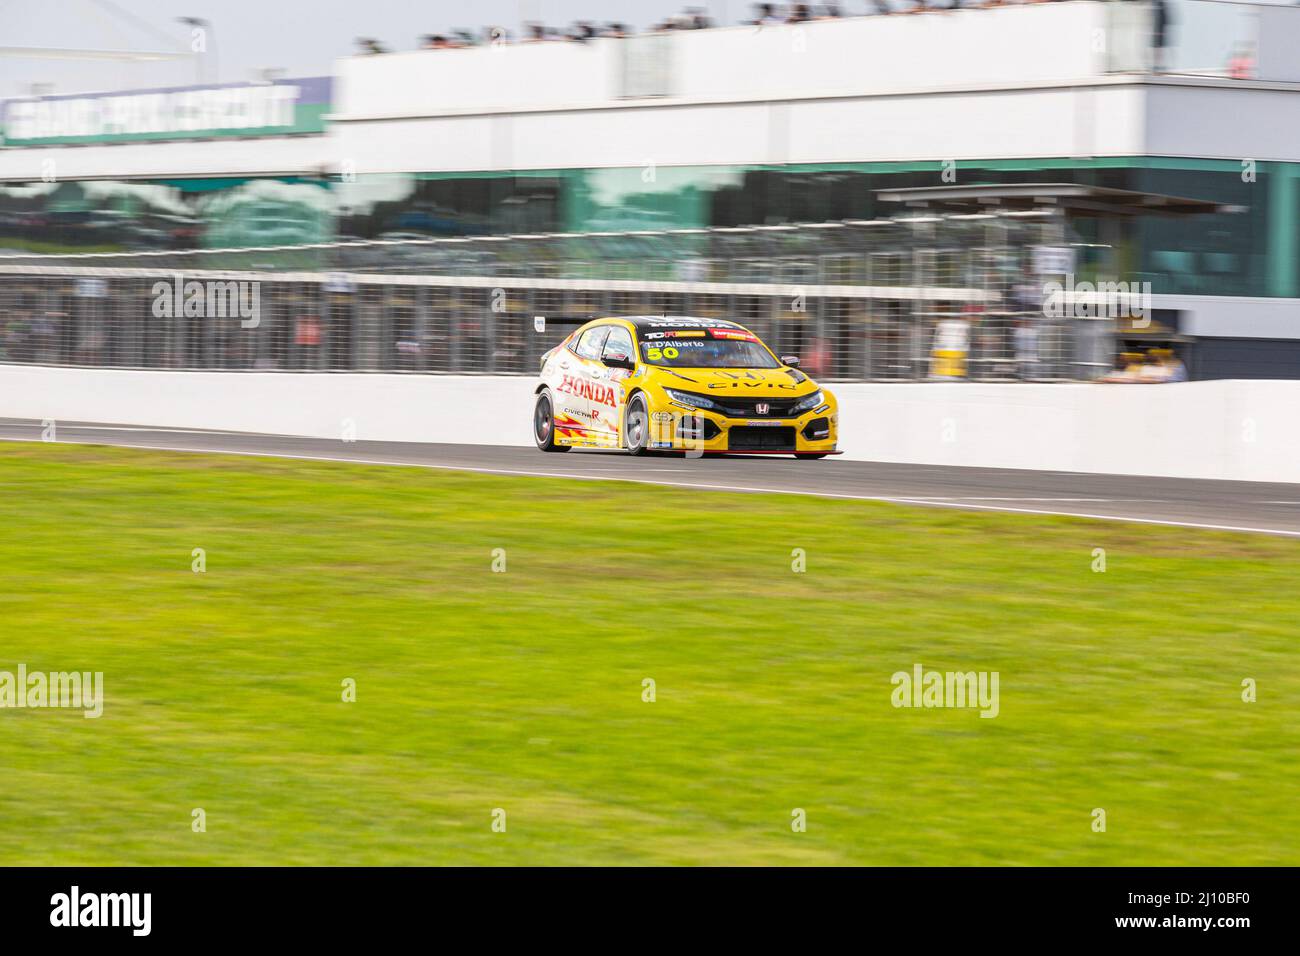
[(888, 300)]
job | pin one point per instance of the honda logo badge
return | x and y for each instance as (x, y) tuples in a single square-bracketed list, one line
[(762, 408)]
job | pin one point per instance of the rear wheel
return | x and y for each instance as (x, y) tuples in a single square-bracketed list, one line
[(544, 424), (636, 421)]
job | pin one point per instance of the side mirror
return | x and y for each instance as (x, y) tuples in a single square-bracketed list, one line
[(791, 360), (618, 361)]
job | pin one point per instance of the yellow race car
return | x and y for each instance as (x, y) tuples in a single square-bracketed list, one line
[(677, 383)]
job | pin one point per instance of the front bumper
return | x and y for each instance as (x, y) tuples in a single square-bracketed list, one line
[(711, 433)]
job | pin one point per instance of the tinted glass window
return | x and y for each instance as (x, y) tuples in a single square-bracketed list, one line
[(592, 341), (695, 345), (619, 342)]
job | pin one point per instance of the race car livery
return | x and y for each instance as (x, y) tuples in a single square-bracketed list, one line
[(681, 384)]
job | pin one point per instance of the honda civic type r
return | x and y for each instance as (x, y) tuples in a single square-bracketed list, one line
[(676, 383)]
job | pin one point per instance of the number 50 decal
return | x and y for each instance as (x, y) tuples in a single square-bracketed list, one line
[(655, 353)]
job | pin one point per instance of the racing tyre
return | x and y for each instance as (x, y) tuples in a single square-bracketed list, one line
[(637, 425), (544, 424), (820, 454)]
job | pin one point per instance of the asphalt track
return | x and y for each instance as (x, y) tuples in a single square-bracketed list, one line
[(1256, 507)]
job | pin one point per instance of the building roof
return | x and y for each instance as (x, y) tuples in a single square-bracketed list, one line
[(1072, 198)]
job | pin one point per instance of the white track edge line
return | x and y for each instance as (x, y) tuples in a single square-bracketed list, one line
[(1166, 522)]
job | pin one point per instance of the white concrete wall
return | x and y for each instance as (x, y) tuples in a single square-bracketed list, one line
[(469, 409), (1185, 118), (1014, 124), (855, 55), (512, 76), (1241, 430), (1279, 36), (252, 156), (1232, 316), (1009, 83)]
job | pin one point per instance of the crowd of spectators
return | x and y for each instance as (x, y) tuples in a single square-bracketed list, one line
[(764, 14), (692, 18)]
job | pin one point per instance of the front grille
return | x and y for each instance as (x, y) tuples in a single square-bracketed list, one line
[(760, 438), (736, 407)]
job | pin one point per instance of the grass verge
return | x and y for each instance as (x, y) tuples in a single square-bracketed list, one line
[(523, 690)]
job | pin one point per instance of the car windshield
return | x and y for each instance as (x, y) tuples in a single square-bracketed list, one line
[(705, 348)]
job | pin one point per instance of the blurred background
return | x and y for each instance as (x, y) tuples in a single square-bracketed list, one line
[(889, 188)]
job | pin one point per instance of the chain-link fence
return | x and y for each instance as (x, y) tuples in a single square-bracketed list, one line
[(887, 300)]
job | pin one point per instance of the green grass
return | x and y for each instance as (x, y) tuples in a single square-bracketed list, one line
[(44, 247), (478, 690)]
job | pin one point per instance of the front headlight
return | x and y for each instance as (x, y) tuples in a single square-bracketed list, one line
[(807, 402), (685, 398)]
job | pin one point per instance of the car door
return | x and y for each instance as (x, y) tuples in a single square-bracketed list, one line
[(617, 345), (581, 387)]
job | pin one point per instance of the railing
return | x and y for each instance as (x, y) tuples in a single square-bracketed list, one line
[(887, 300), (1221, 38)]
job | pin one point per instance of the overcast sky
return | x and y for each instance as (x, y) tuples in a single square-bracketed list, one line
[(302, 37)]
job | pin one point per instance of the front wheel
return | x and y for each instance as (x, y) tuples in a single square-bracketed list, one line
[(636, 422), (820, 454), (544, 424)]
